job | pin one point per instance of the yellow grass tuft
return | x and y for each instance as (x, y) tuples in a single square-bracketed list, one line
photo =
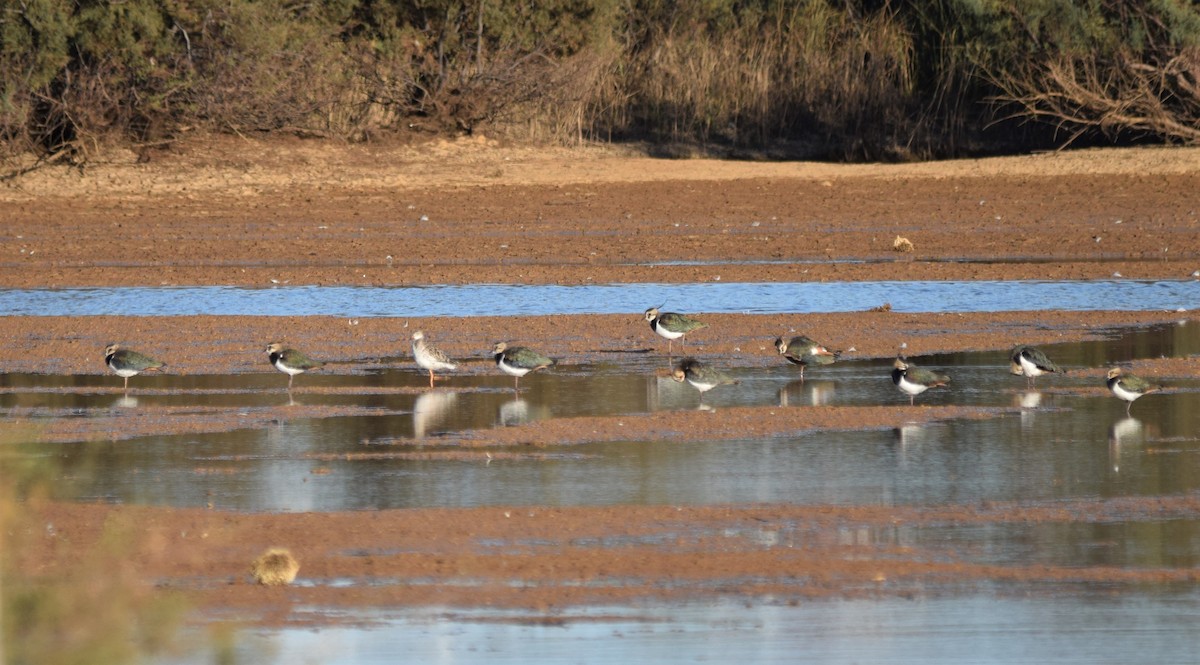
[(902, 244), (275, 567)]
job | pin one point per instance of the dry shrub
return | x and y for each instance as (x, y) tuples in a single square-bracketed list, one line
[(584, 97), (809, 72), (1081, 94), (1123, 70), (275, 567)]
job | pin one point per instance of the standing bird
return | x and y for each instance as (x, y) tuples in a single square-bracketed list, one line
[(1031, 362), (127, 362), (429, 357), (671, 326), (702, 377), (913, 380), (804, 351), (1129, 387), (519, 361), (290, 361)]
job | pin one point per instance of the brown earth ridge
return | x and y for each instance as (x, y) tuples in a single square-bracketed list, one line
[(228, 211)]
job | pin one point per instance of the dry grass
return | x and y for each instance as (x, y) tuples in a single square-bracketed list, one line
[(92, 609), (275, 567)]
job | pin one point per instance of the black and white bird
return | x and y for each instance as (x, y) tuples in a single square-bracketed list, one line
[(127, 362), (290, 361), (671, 326), (1129, 387), (701, 376), (1031, 362), (805, 351), (913, 380), (519, 361)]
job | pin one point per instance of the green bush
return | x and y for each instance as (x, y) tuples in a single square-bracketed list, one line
[(845, 78)]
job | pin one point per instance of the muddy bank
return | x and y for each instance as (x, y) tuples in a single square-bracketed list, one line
[(194, 345), (229, 212), (542, 558), (225, 212)]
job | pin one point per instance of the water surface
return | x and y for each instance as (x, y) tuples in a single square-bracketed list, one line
[(1065, 438), (714, 296), (984, 629)]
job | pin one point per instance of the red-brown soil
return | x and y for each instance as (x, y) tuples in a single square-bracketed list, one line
[(248, 213)]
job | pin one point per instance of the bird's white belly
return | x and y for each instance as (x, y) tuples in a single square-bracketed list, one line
[(287, 370), (666, 334), (511, 369), (427, 361), (1124, 394), (911, 388), (701, 386)]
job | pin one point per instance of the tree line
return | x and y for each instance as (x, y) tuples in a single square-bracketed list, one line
[(840, 79)]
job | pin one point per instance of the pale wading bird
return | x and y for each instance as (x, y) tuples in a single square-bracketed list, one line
[(429, 357), (519, 361), (1129, 387), (127, 362), (290, 361), (701, 376), (912, 380), (671, 326), (1032, 363), (805, 352)]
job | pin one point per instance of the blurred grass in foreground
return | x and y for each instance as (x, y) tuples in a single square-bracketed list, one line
[(65, 601)]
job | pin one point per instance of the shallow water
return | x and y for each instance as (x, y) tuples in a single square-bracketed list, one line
[(989, 626), (714, 296), (1065, 442), (1092, 628)]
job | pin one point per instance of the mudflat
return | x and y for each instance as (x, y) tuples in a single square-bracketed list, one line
[(239, 212)]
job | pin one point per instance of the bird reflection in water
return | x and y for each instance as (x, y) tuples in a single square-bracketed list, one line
[(514, 412), (1122, 435), (430, 410), (810, 393), (1028, 402)]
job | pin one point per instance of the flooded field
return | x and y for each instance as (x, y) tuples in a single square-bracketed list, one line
[(378, 438), (606, 513), (381, 440)]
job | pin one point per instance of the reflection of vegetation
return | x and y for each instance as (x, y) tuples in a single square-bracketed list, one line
[(850, 78), (63, 601)]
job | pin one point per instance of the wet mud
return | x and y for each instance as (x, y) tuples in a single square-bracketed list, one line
[(284, 214)]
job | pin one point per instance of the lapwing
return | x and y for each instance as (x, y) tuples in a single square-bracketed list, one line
[(1031, 362), (701, 376), (804, 351), (913, 380), (671, 326), (127, 362), (429, 357), (519, 361), (290, 361), (1129, 387)]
